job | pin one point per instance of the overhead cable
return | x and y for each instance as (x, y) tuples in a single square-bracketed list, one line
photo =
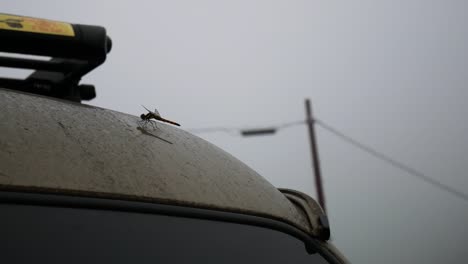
[(378, 154)]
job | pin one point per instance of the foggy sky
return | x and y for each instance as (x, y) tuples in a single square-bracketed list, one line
[(391, 74)]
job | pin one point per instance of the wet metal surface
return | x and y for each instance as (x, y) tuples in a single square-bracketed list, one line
[(73, 148)]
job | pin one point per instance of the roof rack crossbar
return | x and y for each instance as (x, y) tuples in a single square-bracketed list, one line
[(32, 64), (75, 50)]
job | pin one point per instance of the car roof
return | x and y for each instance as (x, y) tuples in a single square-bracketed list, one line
[(52, 145)]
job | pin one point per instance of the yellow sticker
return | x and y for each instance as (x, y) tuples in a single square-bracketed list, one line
[(35, 25)]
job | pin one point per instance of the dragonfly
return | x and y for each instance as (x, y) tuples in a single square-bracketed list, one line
[(148, 118)]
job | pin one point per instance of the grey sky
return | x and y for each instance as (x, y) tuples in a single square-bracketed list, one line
[(389, 73)]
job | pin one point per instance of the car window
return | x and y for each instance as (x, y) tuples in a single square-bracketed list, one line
[(32, 234)]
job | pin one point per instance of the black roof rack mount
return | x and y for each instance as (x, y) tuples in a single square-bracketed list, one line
[(74, 49)]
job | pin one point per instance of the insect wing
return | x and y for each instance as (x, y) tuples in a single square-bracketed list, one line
[(156, 112), (146, 109)]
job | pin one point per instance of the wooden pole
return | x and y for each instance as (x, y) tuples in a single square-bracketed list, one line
[(314, 153)]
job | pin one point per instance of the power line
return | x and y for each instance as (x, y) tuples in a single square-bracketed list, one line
[(391, 161), (211, 129), (290, 124), (350, 140)]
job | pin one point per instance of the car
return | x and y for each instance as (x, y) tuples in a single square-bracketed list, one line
[(82, 184)]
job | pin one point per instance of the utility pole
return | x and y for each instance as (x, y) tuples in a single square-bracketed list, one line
[(314, 153)]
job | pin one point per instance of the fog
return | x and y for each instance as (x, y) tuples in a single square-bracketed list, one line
[(391, 74)]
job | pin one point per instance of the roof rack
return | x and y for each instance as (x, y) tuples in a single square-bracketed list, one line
[(74, 49)]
